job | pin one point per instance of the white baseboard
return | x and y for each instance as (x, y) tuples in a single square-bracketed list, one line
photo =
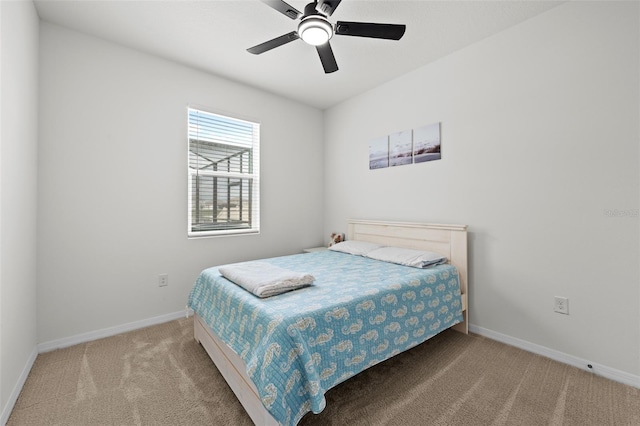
[(107, 332), (11, 402), (601, 370)]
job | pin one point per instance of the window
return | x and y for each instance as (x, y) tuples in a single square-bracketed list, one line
[(224, 187)]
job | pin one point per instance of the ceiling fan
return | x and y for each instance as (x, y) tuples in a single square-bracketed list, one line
[(315, 29)]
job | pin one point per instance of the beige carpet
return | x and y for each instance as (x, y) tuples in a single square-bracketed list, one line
[(161, 376)]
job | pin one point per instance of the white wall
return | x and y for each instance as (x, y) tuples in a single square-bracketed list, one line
[(539, 137), (18, 179), (113, 182)]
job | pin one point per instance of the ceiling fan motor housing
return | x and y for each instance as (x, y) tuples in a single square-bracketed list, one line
[(310, 9)]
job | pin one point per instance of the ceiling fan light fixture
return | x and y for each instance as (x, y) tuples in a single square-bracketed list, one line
[(315, 30)]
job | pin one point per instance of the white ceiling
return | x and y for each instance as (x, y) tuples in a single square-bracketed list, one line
[(213, 36)]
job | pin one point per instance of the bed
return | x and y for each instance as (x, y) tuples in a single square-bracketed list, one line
[(281, 354)]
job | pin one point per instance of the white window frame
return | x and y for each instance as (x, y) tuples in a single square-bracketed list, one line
[(241, 142)]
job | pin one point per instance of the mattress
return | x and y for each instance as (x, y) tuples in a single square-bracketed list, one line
[(300, 344)]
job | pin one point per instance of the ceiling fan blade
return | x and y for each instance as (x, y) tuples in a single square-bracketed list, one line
[(326, 57), (366, 29), (272, 44), (327, 7), (284, 8)]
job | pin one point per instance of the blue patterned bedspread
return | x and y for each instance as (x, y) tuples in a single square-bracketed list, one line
[(300, 344)]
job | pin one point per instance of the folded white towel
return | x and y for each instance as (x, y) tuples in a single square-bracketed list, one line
[(264, 279)]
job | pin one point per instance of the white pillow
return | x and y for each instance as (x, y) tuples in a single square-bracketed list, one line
[(407, 257), (355, 247)]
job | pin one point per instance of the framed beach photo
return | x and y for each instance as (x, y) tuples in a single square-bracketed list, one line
[(400, 148), (379, 153), (426, 143)]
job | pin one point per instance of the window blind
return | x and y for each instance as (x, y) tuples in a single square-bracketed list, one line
[(223, 165)]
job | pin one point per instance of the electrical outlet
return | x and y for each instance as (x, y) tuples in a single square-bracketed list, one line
[(163, 280), (561, 305)]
